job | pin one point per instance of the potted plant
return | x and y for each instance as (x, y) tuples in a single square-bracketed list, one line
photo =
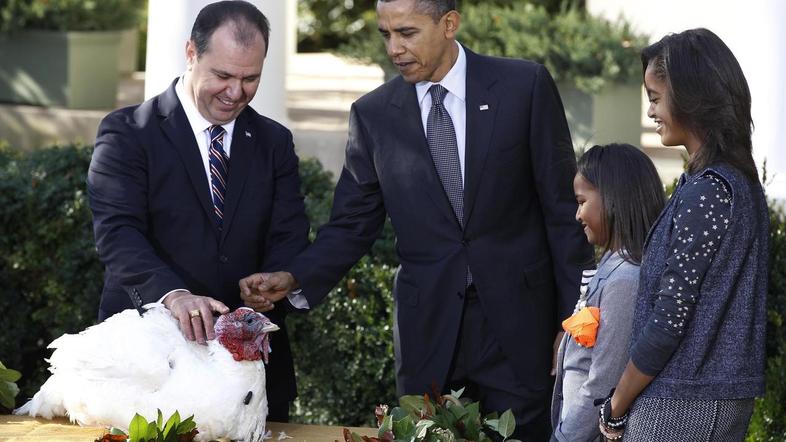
[(63, 52)]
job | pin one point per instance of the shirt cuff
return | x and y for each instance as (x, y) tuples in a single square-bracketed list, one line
[(161, 301), (298, 300)]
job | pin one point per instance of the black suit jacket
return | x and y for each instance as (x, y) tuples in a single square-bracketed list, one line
[(153, 214), (521, 240)]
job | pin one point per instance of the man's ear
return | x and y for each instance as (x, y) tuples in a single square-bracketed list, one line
[(452, 22), (191, 54)]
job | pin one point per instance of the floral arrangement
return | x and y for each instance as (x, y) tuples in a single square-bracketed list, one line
[(447, 418)]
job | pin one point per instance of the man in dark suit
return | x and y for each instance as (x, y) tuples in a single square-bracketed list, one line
[(482, 205), (193, 190)]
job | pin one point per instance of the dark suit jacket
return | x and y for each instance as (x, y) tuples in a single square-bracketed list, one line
[(521, 240), (153, 214)]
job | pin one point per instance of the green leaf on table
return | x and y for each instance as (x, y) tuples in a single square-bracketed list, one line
[(387, 425), (507, 424), (399, 413), (493, 424), (160, 418), (404, 428), (117, 431), (152, 431), (187, 425), (421, 428), (458, 411), (137, 429), (457, 394), (412, 403), (171, 424), (472, 427), (9, 375), (8, 391)]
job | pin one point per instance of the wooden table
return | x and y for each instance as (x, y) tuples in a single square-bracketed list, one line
[(28, 429)]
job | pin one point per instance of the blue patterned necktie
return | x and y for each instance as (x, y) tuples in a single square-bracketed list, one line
[(219, 166), (441, 137)]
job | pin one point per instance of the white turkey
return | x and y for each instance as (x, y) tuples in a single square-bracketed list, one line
[(137, 364)]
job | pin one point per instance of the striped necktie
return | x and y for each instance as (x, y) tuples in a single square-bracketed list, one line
[(219, 167)]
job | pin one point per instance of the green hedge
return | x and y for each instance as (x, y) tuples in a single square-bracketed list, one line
[(50, 283), (70, 15), (325, 25)]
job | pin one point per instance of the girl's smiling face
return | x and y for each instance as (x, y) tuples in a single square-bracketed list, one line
[(590, 211), (671, 132)]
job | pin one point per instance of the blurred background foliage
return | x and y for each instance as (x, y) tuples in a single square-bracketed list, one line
[(70, 15), (577, 48), (327, 24)]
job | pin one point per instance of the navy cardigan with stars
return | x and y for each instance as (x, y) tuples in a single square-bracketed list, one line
[(700, 319)]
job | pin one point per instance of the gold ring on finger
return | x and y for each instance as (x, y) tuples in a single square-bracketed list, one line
[(194, 313)]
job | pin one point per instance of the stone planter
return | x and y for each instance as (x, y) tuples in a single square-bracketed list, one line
[(613, 115), (63, 69), (127, 52)]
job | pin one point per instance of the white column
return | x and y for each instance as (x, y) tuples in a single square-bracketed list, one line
[(169, 27), (766, 71)]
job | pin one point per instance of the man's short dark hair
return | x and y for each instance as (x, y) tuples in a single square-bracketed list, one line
[(246, 18), (434, 8)]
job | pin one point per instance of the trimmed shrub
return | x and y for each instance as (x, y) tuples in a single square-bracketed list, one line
[(769, 417), (70, 15), (50, 273)]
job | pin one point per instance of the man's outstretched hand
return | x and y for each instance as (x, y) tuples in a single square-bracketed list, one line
[(260, 290)]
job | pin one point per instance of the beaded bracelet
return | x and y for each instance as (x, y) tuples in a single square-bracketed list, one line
[(614, 423)]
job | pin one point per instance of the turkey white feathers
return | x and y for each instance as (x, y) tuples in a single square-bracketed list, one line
[(137, 364)]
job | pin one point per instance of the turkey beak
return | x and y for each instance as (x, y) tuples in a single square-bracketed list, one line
[(270, 327)]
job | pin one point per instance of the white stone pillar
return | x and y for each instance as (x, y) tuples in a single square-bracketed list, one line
[(168, 30), (766, 71)]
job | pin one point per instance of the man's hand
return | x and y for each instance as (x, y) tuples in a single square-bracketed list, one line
[(260, 290), (195, 314), (251, 295)]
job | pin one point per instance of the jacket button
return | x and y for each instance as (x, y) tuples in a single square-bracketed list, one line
[(223, 259), (460, 295)]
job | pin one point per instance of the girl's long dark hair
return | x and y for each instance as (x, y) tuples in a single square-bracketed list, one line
[(631, 192), (709, 96)]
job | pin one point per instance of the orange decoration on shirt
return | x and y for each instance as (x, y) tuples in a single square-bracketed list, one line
[(583, 326)]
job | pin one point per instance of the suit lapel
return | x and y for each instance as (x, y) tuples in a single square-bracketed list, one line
[(178, 130), (481, 114), (408, 127), (242, 150)]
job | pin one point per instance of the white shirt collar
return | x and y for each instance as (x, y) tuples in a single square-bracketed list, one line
[(455, 80), (198, 123)]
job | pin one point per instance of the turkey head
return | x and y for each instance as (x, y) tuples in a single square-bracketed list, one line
[(244, 333)]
